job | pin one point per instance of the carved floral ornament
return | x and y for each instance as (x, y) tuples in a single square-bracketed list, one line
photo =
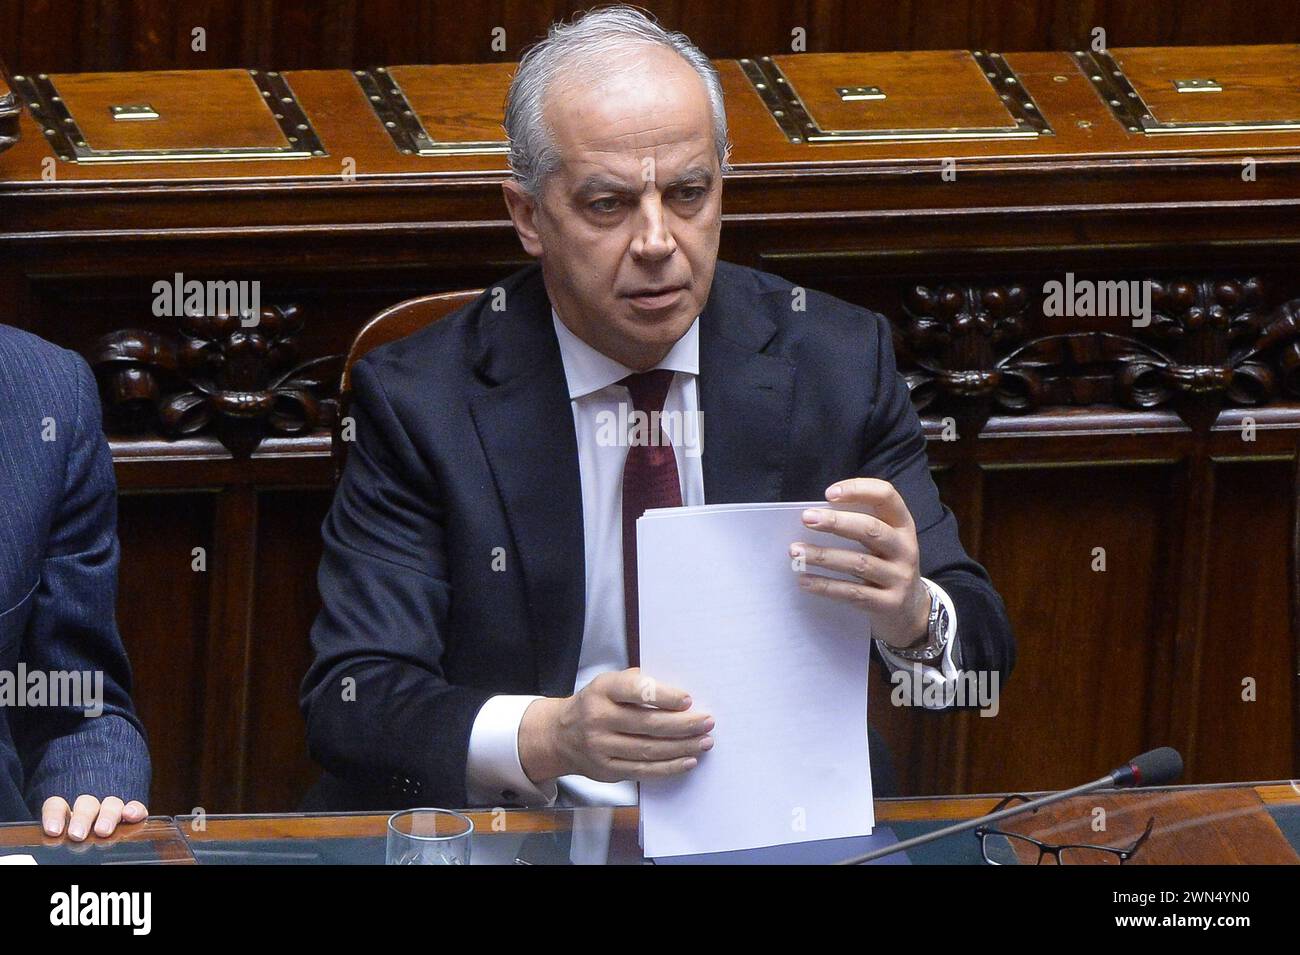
[(216, 373), (9, 112), (1204, 344), (965, 349)]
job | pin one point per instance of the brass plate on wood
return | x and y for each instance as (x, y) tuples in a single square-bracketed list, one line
[(1147, 88), (170, 116), (812, 105), (426, 110), (133, 112)]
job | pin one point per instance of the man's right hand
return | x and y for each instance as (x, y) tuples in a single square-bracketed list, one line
[(619, 726)]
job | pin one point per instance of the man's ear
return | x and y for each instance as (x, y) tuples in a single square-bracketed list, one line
[(523, 213)]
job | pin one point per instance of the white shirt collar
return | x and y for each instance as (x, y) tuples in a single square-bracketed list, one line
[(588, 370)]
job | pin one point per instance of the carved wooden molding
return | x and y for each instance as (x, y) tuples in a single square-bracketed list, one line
[(9, 111), (1210, 343), (215, 375), (954, 333), (966, 350)]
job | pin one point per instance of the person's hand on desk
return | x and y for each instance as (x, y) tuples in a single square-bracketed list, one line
[(889, 586), (619, 726), (87, 811)]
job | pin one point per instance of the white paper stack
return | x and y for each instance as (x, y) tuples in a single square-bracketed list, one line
[(782, 671)]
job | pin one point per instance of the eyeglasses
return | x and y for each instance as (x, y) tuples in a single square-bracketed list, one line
[(999, 847)]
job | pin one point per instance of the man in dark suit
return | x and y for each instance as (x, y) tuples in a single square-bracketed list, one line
[(478, 639), (71, 748)]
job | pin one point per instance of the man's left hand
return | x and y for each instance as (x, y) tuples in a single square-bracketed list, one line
[(888, 585), (88, 812)]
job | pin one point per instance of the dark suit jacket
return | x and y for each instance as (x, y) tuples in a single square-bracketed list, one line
[(465, 443), (58, 583)]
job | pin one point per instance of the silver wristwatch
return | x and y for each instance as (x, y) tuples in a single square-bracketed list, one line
[(936, 630)]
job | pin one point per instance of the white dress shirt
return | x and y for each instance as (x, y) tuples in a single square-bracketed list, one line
[(494, 775)]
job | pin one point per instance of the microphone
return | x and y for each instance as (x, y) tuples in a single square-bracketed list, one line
[(1154, 768)]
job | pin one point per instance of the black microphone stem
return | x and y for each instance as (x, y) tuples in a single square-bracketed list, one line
[(1102, 783)]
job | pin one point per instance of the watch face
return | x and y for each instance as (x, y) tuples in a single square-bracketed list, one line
[(938, 636), (941, 625)]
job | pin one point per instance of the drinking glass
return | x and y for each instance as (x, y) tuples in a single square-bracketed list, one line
[(428, 837)]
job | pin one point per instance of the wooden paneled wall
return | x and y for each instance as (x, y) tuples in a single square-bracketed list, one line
[(1194, 597), (91, 35), (1167, 451), (1196, 522), (1186, 636)]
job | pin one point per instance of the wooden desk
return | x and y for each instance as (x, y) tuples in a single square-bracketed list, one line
[(155, 841), (1194, 825), (1234, 824)]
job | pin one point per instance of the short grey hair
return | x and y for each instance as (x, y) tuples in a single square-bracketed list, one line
[(590, 39)]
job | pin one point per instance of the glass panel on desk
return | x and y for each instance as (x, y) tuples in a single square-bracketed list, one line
[(156, 841), (591, 835), (1223, 824), (1247, 822)]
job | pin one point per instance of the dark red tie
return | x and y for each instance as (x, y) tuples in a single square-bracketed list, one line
[(649, 480)]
